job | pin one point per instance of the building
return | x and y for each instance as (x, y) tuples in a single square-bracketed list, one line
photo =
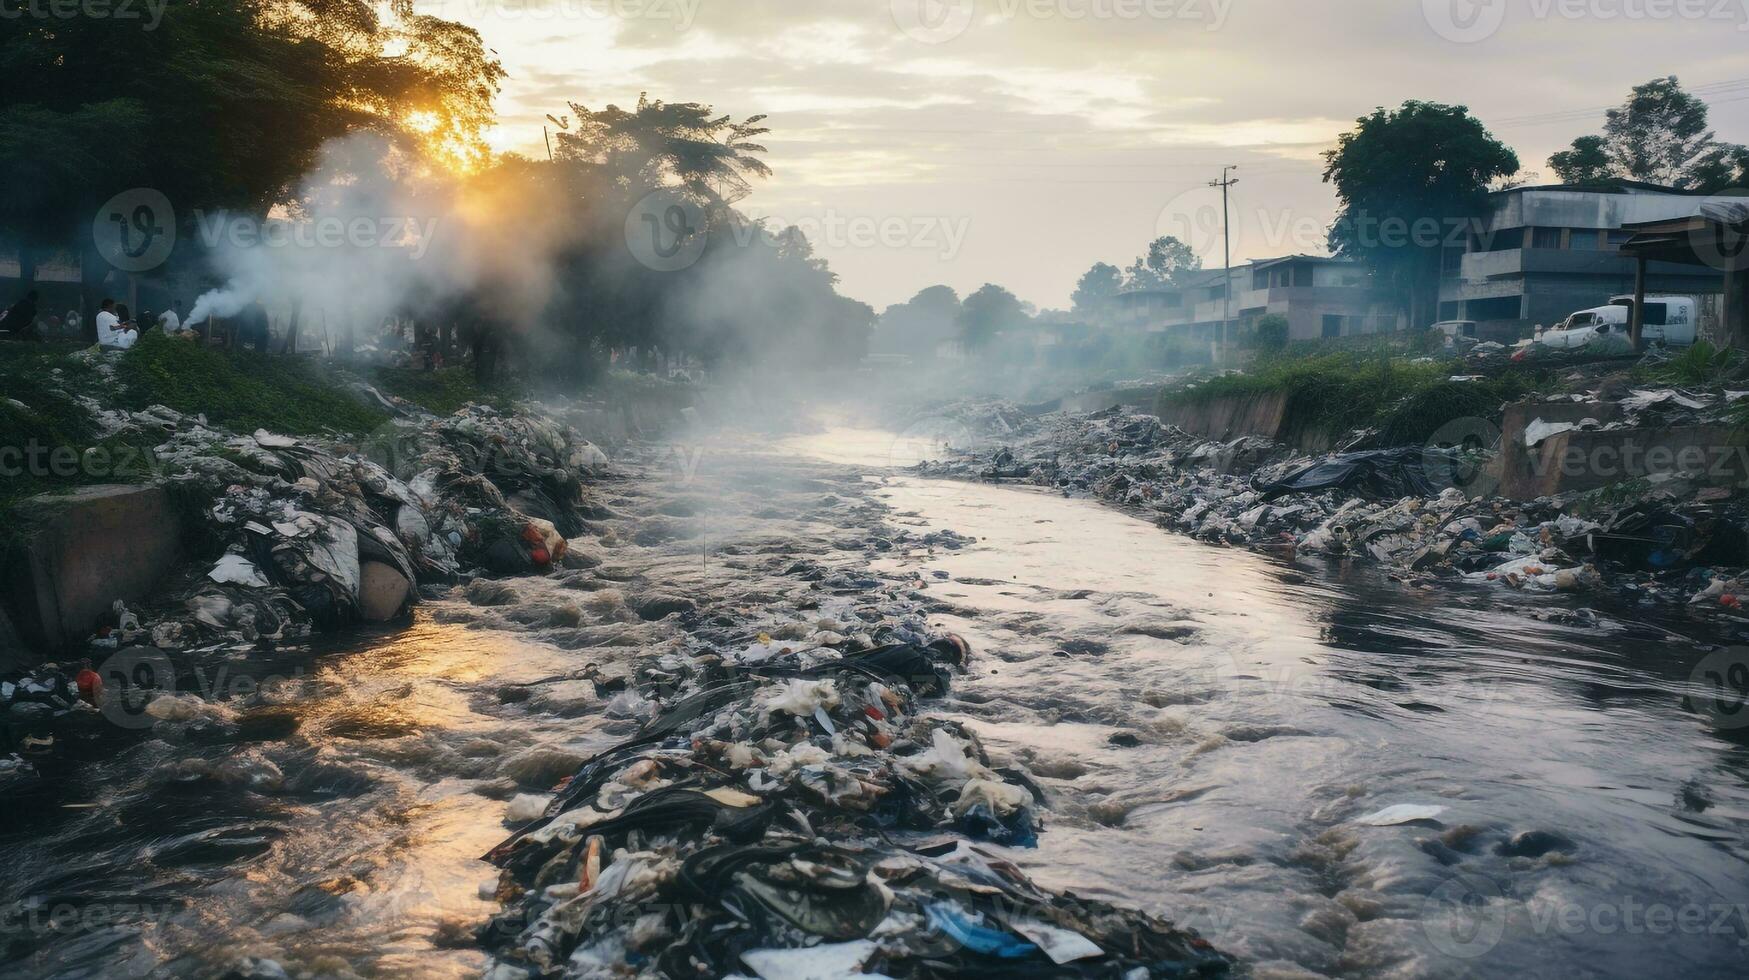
[(1320, 297), (1540, 253)]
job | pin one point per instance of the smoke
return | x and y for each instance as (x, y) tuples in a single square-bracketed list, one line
[(374, 235)]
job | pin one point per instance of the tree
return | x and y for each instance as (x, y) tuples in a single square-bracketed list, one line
[(1165, 263), (1097, 285), (918, 326), (1587, 162), (223, 106), (712, 158), (987, 313), (1406, 179), (1661, 135)]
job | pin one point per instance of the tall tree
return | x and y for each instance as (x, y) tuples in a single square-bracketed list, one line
[(1166, 261), (1661, 135), (1097, 285), (987, 313), (1404, 179), (684, 145)]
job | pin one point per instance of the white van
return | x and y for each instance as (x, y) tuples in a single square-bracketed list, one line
[(1670, 320)]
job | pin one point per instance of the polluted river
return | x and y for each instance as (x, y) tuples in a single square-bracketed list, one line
[(1319, 770)]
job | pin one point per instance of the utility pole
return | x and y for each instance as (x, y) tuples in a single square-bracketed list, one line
[(1227, 255)]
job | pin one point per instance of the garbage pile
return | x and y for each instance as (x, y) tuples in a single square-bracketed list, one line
[(1408, 509), (793, 815), (314, 538)]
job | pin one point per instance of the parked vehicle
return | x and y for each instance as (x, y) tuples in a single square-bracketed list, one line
[(1669, 320), (1672, 320)]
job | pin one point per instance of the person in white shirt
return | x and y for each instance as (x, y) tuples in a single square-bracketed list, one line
[(111, 332), (170, 321)]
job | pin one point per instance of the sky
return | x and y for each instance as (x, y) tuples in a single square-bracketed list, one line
[(1020, 141)]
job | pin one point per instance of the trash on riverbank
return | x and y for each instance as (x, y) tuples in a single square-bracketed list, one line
[(1422, 512), (797, 816)]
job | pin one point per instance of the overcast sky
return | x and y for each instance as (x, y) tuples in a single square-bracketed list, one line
[(1019, 141)]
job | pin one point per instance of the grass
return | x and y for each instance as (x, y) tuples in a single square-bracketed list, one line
[(240, 390), (1367, 388), (1699, 364), (442, 391)]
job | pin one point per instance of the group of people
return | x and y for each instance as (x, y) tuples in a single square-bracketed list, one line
[(116, 326)]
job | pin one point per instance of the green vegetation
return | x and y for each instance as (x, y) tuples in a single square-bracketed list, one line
[(243, 391), (1697, 365), (1407, 402), (441, 392), (1271, 334)]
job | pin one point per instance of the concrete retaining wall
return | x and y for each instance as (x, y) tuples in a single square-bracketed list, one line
[(85, 551), (1263, 415), (1710, 455)]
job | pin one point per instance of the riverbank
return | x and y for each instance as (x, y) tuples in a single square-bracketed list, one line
[(1671, 546)]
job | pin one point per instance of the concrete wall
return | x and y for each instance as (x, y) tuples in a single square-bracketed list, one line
[(1709, 455), (1253, 415), (84, 552)]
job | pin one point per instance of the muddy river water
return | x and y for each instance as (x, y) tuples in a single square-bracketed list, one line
[(1220, 735)]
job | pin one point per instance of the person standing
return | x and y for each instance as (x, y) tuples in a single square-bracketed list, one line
[(252, 328)]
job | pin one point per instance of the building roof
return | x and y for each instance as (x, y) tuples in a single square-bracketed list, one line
[(1320, 259), (1615, 185)]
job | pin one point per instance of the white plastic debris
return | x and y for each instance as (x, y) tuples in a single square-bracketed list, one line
[(1539, 430), (234, 569), (1402, 813), (825, 962), (1061, 945)]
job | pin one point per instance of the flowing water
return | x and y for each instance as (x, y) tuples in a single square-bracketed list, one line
[(1209, 726)]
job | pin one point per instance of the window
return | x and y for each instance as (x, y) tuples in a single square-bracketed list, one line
[(1303, 276), (1546, 238), (1585, 239), (1332, 326)]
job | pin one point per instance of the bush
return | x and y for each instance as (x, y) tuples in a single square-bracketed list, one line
[(1271, 334)]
